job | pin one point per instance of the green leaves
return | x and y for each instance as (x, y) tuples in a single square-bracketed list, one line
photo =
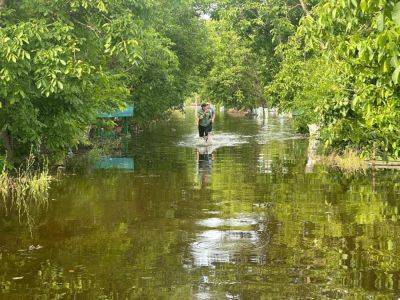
[(101, 6), (396, 14), (363, 5), (244, 65), (395, 75), (358, 105), (380, 21), (67, 60), (234, 79)]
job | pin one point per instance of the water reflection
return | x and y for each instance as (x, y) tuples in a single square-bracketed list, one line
[(232, 240), (217, 246), (241, 219), (121, 163), (205, 157)]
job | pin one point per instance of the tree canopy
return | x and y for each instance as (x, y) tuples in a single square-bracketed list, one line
[(62, 62), (333, 62), (350, 50)]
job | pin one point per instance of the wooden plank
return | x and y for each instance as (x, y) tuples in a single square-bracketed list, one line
[(380, 164)]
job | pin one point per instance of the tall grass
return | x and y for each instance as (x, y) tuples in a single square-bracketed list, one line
[(25, 189), (350, 161)]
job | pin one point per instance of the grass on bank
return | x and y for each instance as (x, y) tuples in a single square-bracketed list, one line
[(24, 187)]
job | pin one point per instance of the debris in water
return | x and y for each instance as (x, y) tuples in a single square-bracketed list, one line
[(18, 278), (33, 247)]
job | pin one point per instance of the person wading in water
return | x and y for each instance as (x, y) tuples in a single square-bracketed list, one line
[(205, 119)]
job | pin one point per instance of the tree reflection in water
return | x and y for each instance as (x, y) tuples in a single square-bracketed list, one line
[(245, 222)]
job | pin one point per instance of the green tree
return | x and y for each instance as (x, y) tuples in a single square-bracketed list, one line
[(358, 44), (257, 28), (62, 62), (171, 75), (235, 78)]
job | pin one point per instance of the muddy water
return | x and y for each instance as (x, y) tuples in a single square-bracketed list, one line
[(243, 218)]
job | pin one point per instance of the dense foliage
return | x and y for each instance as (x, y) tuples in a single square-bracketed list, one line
[(62, 62), (235, 78), (246, 35), (341, 68), (331, 62)]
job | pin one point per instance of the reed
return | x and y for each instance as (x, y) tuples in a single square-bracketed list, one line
[(4, 187), (25, 188), (350, 161)]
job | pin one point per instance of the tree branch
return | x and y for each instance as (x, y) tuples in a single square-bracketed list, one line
[(95, 30), (304, 7)]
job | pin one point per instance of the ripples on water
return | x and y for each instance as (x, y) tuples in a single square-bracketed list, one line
[(225, 239), (276, 132), (246, 218), (217, 140)]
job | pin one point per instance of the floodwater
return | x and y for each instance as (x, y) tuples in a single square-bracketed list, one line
[(247, 217)]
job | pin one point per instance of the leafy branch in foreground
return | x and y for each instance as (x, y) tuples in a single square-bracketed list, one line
[(355, 96)]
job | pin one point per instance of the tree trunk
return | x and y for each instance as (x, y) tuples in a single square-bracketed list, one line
[(2, 4), (303, 5), (6, 140)]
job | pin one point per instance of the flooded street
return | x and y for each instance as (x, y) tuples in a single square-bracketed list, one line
[(245, 218)]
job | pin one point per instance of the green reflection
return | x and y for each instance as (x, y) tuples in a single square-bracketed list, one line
[(245, 221)]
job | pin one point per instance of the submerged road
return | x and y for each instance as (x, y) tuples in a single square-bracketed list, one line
[(247, 218)]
